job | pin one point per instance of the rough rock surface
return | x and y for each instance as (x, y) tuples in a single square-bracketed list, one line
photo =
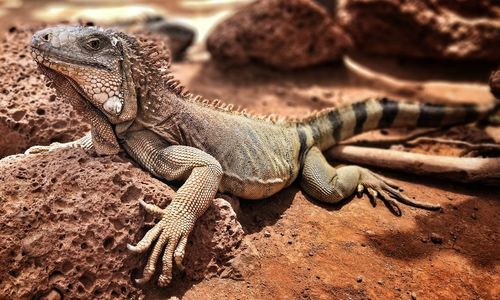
[(495, 83), (281, 33), (29, 112), (65, 219), (466, 29)]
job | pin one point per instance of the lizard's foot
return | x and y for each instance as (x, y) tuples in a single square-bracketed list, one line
[(41, 149), (378, 187), (170, 233)]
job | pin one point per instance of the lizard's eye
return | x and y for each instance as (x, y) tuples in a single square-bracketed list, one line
[(94, 44)]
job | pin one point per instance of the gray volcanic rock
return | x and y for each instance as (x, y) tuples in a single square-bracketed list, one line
[(66, 217), (450, 29), (281, 33)]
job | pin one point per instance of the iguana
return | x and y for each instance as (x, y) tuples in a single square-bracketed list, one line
[(123, 86)]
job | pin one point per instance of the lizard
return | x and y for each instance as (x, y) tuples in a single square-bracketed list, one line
[(123, 86)]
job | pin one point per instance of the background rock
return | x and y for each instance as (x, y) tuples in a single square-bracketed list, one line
[(281, 33), (495, 83), (65, 219), (466, 29), (180, 36)]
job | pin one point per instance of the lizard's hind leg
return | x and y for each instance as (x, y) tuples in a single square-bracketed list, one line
[(325, 183)]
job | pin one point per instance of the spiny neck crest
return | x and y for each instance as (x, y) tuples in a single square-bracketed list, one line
[(154, 72)]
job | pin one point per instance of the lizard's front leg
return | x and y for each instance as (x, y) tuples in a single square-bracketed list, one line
[(84, 142), (202, 173)]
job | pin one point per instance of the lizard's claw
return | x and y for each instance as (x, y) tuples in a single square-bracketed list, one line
[(378, 187), (171, 234)]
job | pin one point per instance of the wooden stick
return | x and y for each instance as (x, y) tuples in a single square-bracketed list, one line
[(462, 169), (468, 146)]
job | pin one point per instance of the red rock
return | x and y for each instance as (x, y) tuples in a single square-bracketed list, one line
[(281, 33), (466, 29), (495, 83), (65, 220)]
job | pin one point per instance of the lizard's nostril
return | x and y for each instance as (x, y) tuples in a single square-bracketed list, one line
[(46, 37)]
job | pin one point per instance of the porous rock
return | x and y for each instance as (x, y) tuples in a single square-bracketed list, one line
[(281, 33), (66, 217), (450, 29), (29, 112), (495, 83)]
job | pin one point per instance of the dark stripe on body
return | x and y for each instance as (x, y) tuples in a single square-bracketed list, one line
[(303, 144), (316, 133), (336, 124), (390, 109), (430, 115), (361, 116)]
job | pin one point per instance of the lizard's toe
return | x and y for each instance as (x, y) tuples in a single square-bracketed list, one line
[(164, 280), (132, 248), (151, 208), (148, 239), (408, 201), (146, 276), (372, 194), (179, 252), (378, 187), (359, 191), (37, 149), (170, 237)]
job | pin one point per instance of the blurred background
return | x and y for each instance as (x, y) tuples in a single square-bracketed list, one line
[(201, 13)]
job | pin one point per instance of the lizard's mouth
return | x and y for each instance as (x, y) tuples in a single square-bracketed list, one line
[(45, 57)]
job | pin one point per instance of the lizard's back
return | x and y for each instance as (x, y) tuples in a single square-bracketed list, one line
[(258, 157)]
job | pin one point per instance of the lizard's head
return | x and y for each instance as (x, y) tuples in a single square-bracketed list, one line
[(96, 63)]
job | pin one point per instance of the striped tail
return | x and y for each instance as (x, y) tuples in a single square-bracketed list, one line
[(331, 126)]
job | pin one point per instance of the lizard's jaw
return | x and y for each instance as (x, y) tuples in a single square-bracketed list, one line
[(48, 66), (66, 88)]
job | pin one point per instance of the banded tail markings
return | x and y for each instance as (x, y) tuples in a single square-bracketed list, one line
[(456, 114), (374, 111), (431, 115), (390, 109), (471, 113), (348, 118), (360, 115), (336, 124), (407, 116)]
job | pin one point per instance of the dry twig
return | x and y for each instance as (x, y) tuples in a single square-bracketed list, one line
[(483, 147), (462, 169)]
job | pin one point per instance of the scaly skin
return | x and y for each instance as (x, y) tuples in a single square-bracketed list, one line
[(123, 86)]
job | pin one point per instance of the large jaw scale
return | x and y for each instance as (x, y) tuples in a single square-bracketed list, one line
[(113, 106)]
